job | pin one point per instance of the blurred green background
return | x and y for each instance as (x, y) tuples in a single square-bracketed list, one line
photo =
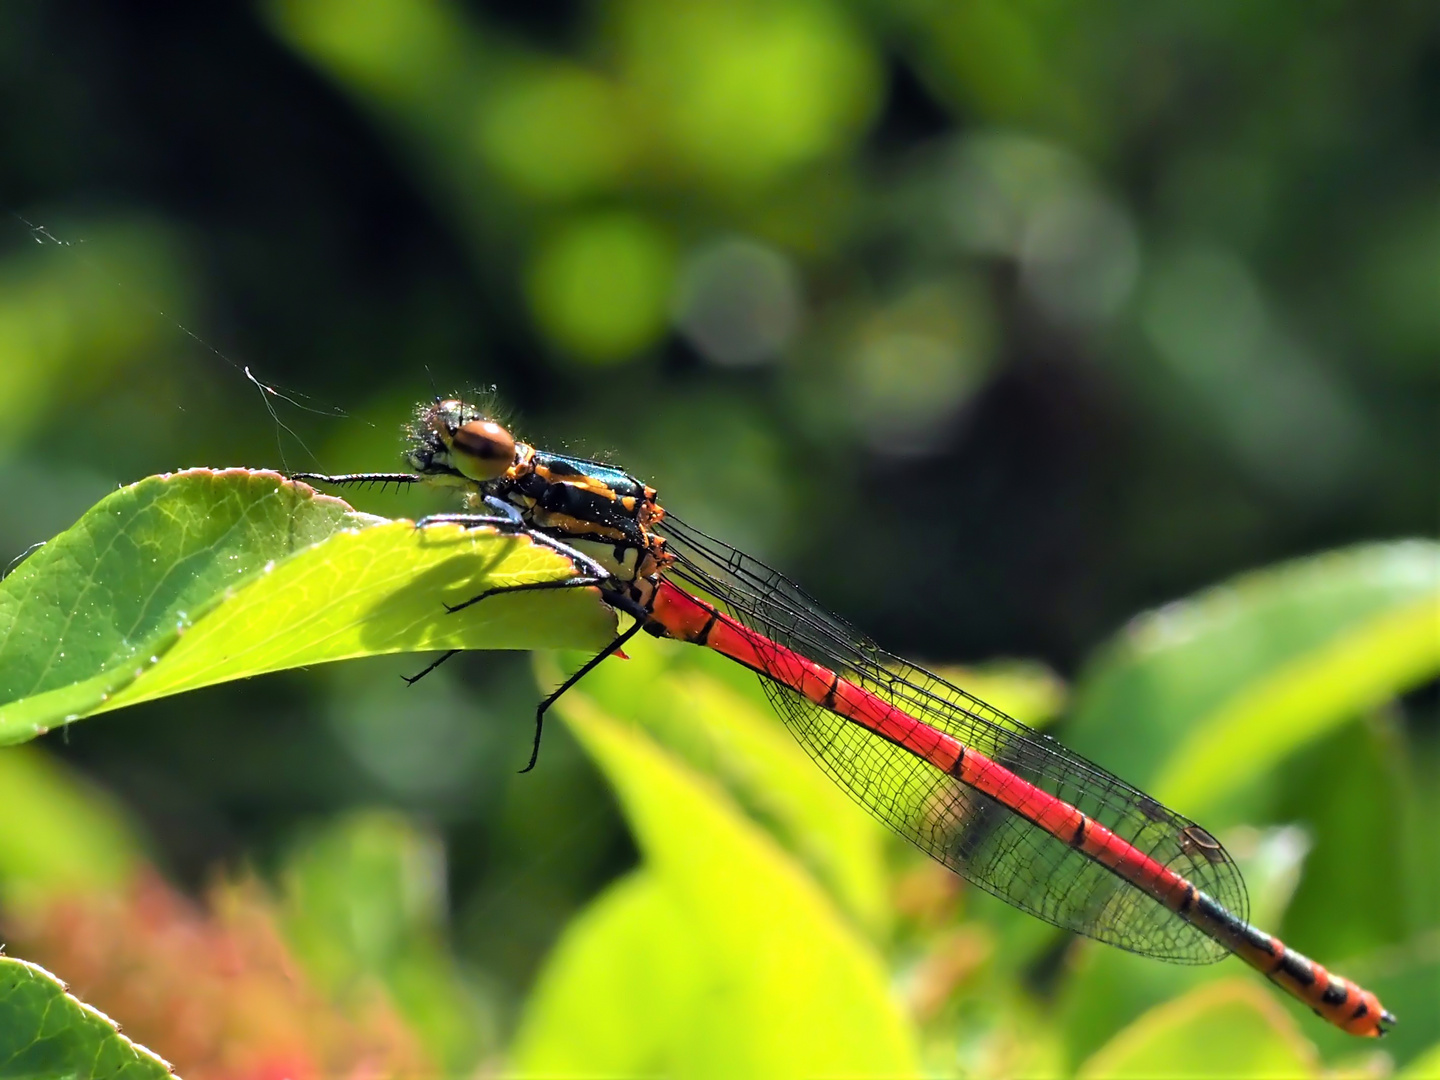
[(993, 323)]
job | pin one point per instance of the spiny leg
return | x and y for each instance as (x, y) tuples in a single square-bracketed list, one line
[(342, 479), (507, 512), (514, 524), (618, 643), (506, 525), (411, 680), (530, 586), (508, 520)]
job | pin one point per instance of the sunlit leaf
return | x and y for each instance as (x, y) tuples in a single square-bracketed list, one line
[(620, 985), (1424, 1067), (46, 1032), (1358, 892), (754, 973), (1226, 1029), (684, 697), (1364, 665), (190, 579), (1202, 696)]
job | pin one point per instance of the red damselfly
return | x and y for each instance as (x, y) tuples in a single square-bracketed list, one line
[(1009, 809)]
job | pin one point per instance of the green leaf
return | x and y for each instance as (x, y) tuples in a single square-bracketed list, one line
[(44, 1032), (720, 958), (185, 580), (731, 733), (1223, 1030), (1203, 696), (619, 987), (1424, 1067), (1360, 891)]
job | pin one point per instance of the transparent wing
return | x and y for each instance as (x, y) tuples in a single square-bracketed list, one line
[(974, 834)]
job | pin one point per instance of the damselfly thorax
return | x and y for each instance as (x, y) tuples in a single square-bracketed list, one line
[(592, 506)]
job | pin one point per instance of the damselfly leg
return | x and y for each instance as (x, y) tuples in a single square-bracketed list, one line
[(509, 521), (560, 692)]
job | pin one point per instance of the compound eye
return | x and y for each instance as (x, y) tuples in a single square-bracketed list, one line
[(446, 415), (482, 449)]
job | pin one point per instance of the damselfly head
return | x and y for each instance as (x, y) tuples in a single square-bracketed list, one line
[(453, 438)]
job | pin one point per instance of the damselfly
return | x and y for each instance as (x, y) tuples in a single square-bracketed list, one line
[(1010, 810)]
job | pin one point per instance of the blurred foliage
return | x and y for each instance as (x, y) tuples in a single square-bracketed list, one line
[(993, 323), (214, 985), (365, 901), (1221, 688), (60, 833), (1260, 1040)]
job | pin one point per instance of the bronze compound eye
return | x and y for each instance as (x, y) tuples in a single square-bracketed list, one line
[(482, 449)]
